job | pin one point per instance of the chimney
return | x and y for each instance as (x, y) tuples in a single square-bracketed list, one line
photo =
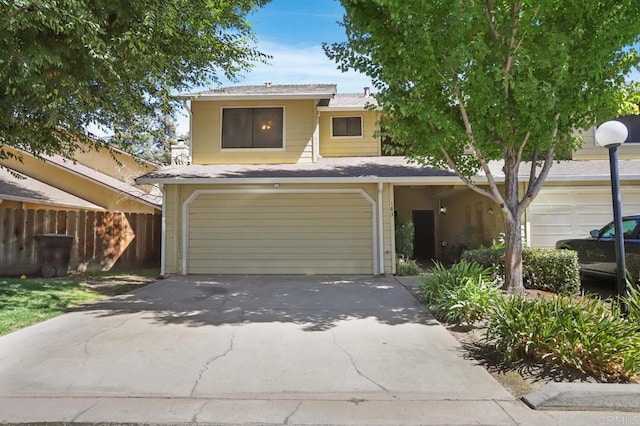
[(367, 91), (267, 84)]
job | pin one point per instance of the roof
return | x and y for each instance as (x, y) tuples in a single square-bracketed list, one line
[(370, 170), (350, 101), (266, 91), (154, 200), (31, 190)]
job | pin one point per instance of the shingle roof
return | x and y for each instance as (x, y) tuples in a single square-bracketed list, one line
[(34, 191), (373, 169), (352, 100), (299, 90)]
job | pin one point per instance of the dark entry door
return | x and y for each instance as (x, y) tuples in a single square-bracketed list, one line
[(424, 240)]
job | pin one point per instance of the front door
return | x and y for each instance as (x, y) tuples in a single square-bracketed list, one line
[(424, 240)]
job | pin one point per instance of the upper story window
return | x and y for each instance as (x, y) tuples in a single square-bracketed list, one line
[(346, 127), (253, 127)]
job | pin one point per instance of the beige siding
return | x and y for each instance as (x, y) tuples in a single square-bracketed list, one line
[(572, 212), (590, 151), (279, 233), (299, 122), (388, 227), (367, 145)]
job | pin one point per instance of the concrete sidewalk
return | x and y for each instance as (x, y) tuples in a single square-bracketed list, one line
[(268, 350)]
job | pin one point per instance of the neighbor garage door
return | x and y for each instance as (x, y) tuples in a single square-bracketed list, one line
[(280, 233), (557, 214)]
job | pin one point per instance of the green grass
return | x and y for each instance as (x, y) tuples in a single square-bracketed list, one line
[(29, 301)]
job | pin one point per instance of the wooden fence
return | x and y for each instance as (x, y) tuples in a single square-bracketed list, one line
[(101, 240)]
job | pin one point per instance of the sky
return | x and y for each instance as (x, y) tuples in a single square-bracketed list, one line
[(292, 32)]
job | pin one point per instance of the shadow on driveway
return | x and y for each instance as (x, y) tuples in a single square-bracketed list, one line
[(317, 303)]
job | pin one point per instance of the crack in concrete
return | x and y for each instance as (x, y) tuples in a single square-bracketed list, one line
[(85, 349), (355, 367), (194, 419), (84, 411), (295, 410), (214, 359)]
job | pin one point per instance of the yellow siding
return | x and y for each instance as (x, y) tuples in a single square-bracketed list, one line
[(367, 145), (299, 122), (280, 233), (590, 151), (78, 186)]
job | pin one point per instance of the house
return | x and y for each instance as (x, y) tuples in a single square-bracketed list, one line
[(100, 177), (93, 198), (291, 179)]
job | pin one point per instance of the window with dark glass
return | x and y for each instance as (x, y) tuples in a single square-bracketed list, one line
[(346, 126), (252, 127)]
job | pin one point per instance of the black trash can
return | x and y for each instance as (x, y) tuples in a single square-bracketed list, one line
[(54, 251)]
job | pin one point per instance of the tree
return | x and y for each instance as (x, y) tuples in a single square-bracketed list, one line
[(148, 138), (67, 64), (466, 82)]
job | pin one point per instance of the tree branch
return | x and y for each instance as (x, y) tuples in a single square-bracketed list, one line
[(532, 172), (468, 181), (524, 144), (513, 44), (483, 161), (491, 18)]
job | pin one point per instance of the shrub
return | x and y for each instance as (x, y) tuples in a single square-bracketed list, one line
[(633, 302), (582, 333), (459, 293), (404, 237), (542, 269), (408, 267)]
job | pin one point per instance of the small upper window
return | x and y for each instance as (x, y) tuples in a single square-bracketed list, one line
[(252, 127), (346, 127)]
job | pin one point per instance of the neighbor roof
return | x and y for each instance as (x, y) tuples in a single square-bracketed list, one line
[(369, 170), (29, 190), (266, 91)]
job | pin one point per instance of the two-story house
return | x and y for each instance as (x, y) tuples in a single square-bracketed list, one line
[(291, 179)]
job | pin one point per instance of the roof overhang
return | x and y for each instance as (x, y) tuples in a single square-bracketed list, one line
[(256, 97)]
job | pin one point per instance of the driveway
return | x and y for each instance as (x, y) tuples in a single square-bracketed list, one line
[(281, 337)]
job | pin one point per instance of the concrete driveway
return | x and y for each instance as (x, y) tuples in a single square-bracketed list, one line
[(243, 338)]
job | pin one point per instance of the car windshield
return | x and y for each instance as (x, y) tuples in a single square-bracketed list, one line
[(628, 226)]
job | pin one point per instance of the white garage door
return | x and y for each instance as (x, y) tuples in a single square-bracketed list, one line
[(557, 213), (280, 233)]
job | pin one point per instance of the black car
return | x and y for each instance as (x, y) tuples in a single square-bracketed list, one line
[(596, 254)]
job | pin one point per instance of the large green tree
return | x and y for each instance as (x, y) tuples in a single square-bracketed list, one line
[(465, 82), (68, 64)]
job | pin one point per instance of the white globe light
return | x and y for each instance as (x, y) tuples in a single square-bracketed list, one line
[(611, 133)]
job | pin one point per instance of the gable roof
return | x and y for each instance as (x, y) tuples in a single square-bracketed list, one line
[(370, 170), (350, 101), (29, 190), (266, 91)]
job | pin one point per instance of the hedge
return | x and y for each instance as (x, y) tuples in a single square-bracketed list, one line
[(542, 269)]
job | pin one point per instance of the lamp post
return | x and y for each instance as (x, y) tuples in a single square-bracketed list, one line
[(611, 135)]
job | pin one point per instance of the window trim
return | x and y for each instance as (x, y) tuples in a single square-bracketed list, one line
[(361, 117), (284, 129)]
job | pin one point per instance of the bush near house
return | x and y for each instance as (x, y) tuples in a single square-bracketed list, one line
[(583, 333), (542, 269), (408, 267), (464, 292), (405, 231)]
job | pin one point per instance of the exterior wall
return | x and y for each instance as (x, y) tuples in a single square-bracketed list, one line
[(590, 151), (367, 145), (103, 162), (299, 124), (176, 195), (78, 186)]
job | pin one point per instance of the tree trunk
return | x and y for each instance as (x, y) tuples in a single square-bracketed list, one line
[(513, 283)]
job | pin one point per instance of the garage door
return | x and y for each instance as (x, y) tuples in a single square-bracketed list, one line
[(280, 233), (557, 213)]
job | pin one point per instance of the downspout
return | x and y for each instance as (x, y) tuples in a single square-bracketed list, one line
[(315, 142), (163, 237), (380, 230), (188, 108)]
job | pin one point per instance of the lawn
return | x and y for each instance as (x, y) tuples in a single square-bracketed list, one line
[(24, 302)]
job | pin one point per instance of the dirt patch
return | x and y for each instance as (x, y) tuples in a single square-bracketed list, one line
[(113, 285)]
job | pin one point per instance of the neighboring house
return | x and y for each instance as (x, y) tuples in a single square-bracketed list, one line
[(101, 178), (291, 179)]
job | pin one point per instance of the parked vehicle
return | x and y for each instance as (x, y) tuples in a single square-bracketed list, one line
[(596, 254)]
